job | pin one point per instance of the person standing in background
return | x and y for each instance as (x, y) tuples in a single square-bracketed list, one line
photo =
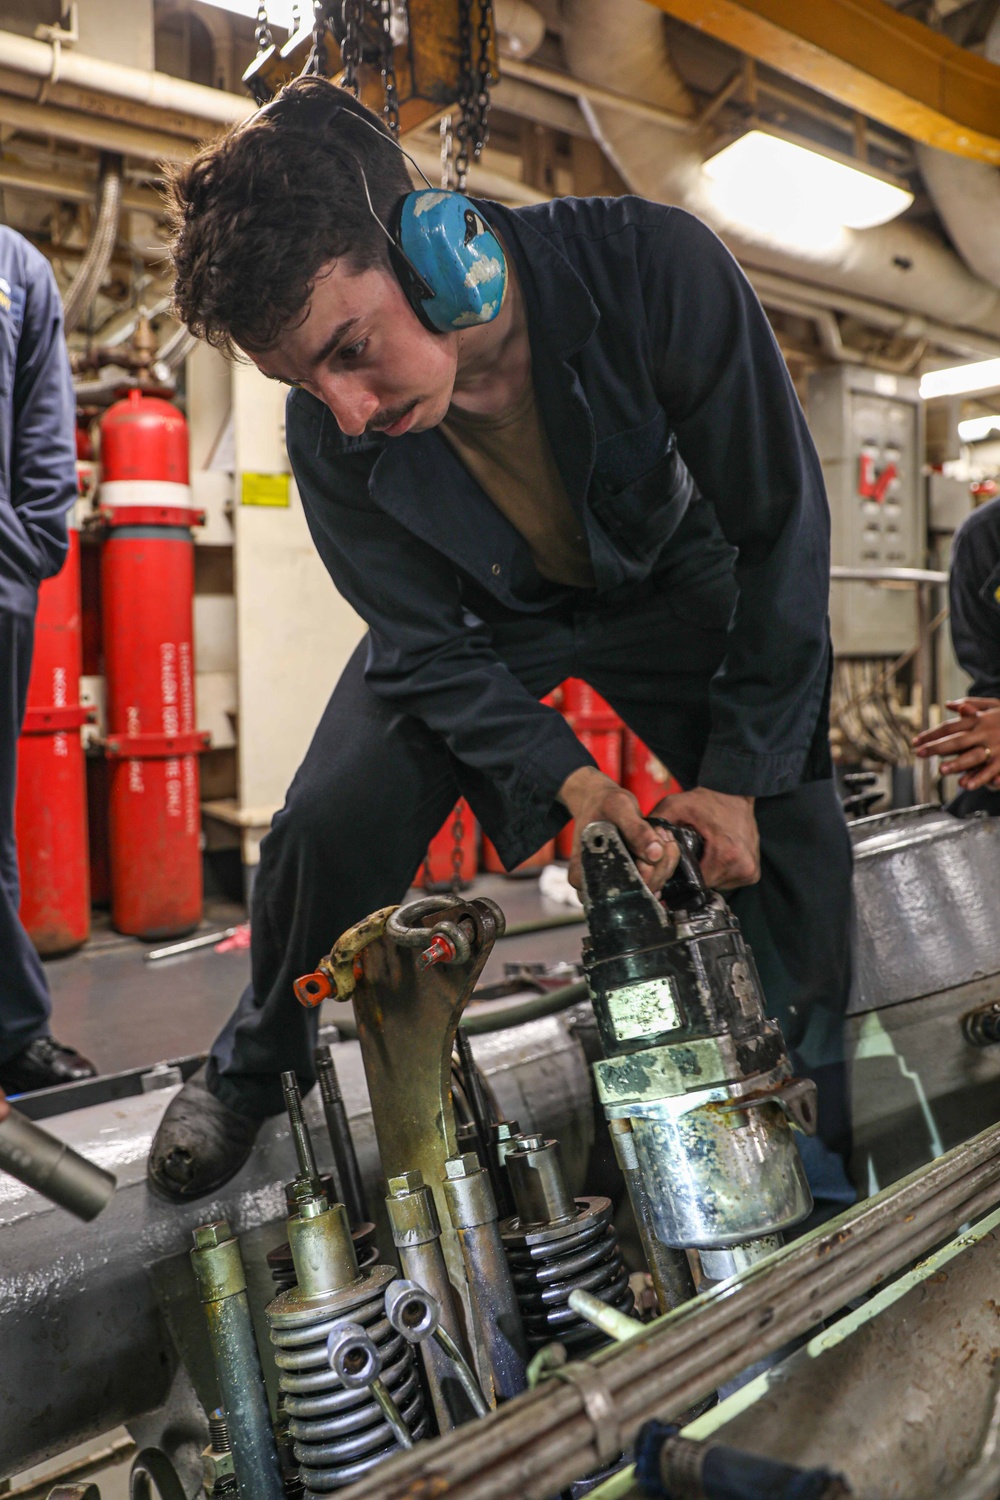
[(37, 488)]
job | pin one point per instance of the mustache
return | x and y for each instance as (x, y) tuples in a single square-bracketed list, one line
[(388, 416)]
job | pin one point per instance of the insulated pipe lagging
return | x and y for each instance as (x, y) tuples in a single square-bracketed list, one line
[(94, 266)]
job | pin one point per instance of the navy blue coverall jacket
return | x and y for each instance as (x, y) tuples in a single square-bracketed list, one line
[(974, 590), (37, 486), (679, 438)]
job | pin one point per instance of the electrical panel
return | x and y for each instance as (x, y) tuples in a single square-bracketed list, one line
[(868, 430)]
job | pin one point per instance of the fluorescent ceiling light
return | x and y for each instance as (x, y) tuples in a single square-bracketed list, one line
[(279, 12), (769, 180), (975, 429), (961, 380)]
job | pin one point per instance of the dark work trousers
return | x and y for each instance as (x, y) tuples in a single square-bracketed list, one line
[(376, 785), (24, 994)]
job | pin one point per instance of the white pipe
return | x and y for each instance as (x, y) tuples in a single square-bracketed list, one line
[(624, 47), (55, 64), (966, 194)]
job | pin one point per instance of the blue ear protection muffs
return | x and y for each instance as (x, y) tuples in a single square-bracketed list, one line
[(448, 260)]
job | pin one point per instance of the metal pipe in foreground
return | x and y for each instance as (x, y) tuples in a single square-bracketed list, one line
[(52, 1168), (543, 1440), (222, 1286)]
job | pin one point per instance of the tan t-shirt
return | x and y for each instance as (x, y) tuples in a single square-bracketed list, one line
[(511, 458)]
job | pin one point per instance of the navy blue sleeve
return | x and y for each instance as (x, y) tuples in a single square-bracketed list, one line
[(740, 430), (43, 481), (974, 598), (424, 657)]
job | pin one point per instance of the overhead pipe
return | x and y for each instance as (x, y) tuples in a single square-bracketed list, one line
[(625, 47), (94, 266), (967, 196)]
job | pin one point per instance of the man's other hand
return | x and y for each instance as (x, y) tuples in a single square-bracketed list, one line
[(729, 828), (592, 797), (969, 746)]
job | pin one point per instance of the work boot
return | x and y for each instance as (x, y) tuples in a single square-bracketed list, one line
[(200, 1144), (43, 1064)]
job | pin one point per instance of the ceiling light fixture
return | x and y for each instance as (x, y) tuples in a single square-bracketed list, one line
[(961, 380), (279, 12), (975, 429), (773, 181)]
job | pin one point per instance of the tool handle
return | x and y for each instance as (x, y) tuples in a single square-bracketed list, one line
[(52, 1168), (686, 887)]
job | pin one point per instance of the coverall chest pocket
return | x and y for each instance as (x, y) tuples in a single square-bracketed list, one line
[(640, 488)]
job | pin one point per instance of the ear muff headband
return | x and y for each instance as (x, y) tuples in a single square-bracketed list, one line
[(444, 253)]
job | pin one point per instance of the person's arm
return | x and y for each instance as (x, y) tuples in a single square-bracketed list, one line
[(43, 448), (725, 389)]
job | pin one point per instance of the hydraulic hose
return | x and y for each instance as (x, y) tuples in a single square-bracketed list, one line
[(514, 1015)]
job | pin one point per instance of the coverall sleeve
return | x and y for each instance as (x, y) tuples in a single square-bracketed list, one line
[(425, 655), (740, 430), (974, 598), (43, 446)]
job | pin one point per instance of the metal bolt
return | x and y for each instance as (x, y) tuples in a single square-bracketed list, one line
[(530, 1143), (466, 1165), (406, 1182), (440, 950), (208, 1236), (218, 1431)]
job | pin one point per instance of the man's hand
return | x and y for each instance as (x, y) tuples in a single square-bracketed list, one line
[(592, 797), (969, 745), (729, 828)]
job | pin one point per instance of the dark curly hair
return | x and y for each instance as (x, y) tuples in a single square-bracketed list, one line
[(257, 213)]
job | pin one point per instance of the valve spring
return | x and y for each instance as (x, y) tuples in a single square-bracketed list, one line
[(338, 1435), (548, 1261), (279, 1260)]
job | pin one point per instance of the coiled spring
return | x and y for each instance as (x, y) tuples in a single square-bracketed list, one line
[(338, 1435), (548, 1261)]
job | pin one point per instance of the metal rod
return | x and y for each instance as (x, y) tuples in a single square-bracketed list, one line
[(189, 945), (43, 1162), (543, 1440), (481, 1113), (923, 676), (617, 1325), (300, 1131), (348, 1172), (391, 1413), (470, 1384), (669, 1268), (222, 1286), (887, 575)]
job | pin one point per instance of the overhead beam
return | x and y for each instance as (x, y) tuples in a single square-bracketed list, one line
[(869, 57)]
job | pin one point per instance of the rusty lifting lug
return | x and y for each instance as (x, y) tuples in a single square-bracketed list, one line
[(445, 942), (335, 975)]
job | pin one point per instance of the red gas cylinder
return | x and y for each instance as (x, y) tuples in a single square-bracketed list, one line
[(50, 812), (599, 730), (147, 594), (458, 833), (645, 776)]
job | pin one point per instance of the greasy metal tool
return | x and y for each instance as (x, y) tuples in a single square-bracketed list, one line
[(408, 1007), (352, 1192), (690, 1058), (43, 1162), (482, 1117)]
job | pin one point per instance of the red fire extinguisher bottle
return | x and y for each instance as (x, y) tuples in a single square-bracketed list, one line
[(50, 812), (147, 591)]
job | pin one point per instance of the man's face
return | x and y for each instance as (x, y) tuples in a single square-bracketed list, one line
[(363, 352)]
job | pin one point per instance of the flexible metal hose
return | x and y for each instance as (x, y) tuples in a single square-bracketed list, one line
[(93, 268)]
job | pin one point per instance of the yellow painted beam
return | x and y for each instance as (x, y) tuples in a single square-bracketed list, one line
[(867, 56)]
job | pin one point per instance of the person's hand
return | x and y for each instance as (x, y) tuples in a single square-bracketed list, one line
[(969, 746), (592, 797), (729, 828)]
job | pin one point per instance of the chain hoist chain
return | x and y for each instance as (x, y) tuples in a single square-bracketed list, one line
[(481, 113), (316, 61), (447, 148), (296, 18), (353, 12), (262, 35), (457, 849), (466, 85), (390, 109)]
